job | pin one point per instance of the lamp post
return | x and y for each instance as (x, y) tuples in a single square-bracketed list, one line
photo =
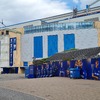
[(3, 23)]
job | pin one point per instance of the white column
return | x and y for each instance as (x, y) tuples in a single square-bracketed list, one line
[(60, 42), (45, 47)]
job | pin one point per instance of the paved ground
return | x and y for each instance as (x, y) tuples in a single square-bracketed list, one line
[(54, 88), (9, 94), (8, 77)]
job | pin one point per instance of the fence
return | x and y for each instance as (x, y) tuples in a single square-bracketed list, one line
[(88, 69)]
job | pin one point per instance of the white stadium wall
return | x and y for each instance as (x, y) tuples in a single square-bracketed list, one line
[(26, 47), (84, 38), (4, 51)]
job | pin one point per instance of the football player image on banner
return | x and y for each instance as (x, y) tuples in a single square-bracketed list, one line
[(51, 69), (14, 43), (61, 70), (42, 70), (96, 71), (47, 70)]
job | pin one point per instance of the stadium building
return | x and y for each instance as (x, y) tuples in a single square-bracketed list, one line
[(42, 38)]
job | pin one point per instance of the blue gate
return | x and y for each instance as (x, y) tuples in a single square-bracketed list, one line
[(69, 41), (38, 47), (52, 44)]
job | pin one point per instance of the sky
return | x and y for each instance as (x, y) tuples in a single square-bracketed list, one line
[(17, 11)]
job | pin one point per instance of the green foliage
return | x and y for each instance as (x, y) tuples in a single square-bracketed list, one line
[(40, 62), (67, 59), (72, 49), (45, 60)]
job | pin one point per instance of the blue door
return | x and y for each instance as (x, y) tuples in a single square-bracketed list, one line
[(69, 41), (38, 47), (52, 44)]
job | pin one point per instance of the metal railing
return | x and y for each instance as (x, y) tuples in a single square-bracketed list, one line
[(58, 27)]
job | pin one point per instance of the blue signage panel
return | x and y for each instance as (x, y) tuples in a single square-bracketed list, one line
[(38, 47), (52, 44), (69, 41), (25, 63), (12, 48)]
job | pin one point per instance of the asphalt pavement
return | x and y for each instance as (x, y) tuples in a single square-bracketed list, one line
[(7, 77), (6, 94)]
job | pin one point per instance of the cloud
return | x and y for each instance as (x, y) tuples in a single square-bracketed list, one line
[(76, 1), (16, 11)]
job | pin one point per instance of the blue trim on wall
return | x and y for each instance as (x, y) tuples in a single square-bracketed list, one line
[(38, 47), (52, 44), (55, 16), (69, 41)]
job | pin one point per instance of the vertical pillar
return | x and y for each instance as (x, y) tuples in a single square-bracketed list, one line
[(45, 48), (99, 37), (60, 42)]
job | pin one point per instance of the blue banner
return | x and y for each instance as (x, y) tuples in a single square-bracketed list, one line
[(12, 48)]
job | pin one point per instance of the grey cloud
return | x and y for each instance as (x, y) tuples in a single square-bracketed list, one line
[(16, 11)]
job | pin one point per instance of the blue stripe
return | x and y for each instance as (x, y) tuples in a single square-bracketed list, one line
[(69, 41), (38, 47), (52, 44)]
